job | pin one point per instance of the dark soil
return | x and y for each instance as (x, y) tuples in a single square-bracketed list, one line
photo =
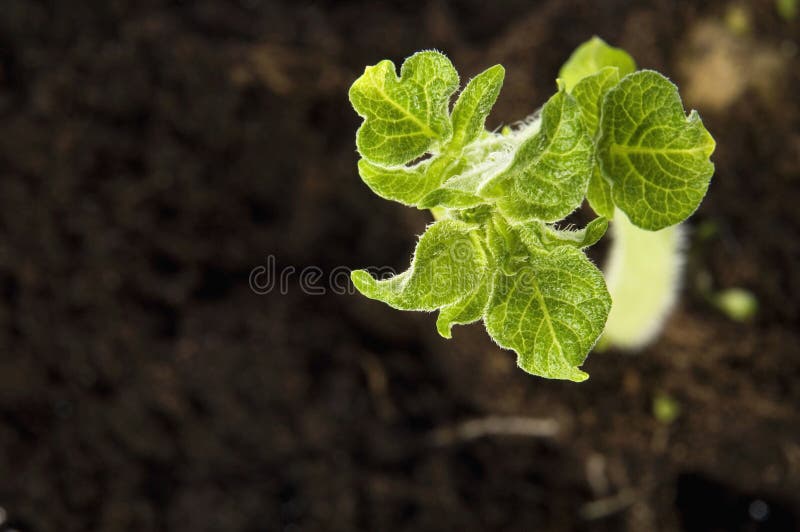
[(153, 153)]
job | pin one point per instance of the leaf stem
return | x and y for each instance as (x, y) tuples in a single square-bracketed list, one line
[(643, 274)]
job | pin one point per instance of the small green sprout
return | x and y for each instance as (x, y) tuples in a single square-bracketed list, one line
[(736, 303), (787, 9), (737, 19), (665, 408), (498, 250)]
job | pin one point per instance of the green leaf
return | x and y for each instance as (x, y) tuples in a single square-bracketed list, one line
[(403, 184), (408, 184), (450, 199), (474, 105), (550, 171), (467, 310), (506, 246), (599, 194), (550, 312), (404, 117), (589, 93), (592, 56), (465, 189), (448, 263), (656, 158), (479, 215), (541, 235)]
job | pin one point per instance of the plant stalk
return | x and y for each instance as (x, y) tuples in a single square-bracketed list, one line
[(643, 274)]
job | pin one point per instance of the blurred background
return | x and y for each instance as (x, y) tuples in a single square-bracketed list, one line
[(153, 154)]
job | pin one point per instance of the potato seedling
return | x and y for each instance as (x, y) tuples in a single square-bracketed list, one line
[(613, 135)]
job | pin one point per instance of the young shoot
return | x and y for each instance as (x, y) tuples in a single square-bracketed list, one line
[(613, 135)]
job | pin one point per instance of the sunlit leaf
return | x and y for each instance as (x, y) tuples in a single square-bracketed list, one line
[(404, 117), (656, 157)]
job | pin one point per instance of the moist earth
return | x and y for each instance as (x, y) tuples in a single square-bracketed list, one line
[(152, 154)]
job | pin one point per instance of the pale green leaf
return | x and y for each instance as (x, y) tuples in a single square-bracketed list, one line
[(450, 199), (592, 56), (448, 263), (540, 235), (550, 312), (408, 184), (506, 246), (656, 157), (467, 310), (404, 117), (399, 183), (478, 215), (474, 105), (589, 93), (465, 189), (550, 172), (599, 194)]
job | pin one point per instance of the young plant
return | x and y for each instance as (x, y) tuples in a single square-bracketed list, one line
[(611, 134)]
